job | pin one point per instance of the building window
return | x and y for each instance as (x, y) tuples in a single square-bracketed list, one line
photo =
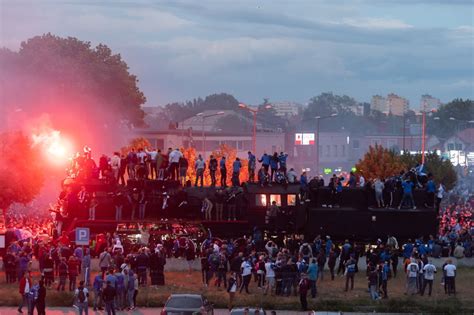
[(276, 198), (458, 146), (320, 150), (335, 150), (291, 200), (261, 200), (450, 146), (355, 144), (328, 150), (343, 150)]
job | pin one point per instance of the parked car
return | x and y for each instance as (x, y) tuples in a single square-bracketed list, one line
[(187, 304), (247, 311)]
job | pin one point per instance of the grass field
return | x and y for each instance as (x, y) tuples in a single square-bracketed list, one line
[(331, 296)]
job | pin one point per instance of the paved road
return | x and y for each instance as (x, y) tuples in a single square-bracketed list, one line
[(156, 311)]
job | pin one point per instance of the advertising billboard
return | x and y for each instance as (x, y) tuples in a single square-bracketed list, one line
[(304, 138)]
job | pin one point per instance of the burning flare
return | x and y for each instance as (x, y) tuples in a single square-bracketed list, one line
[(55, 147)]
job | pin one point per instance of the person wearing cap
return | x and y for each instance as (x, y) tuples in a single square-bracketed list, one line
[(303, 286)]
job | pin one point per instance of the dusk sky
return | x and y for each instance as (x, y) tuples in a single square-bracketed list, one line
[(281, 50)]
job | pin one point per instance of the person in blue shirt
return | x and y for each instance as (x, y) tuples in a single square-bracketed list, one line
[(223, 169), (273, 165), (251, 166), (236, 166), (386, 274), (430, 191), (328, 245), (408, 249), (97, 286), (282, 160), (407, 187), (313, 276), (350, 272), (265, 160)]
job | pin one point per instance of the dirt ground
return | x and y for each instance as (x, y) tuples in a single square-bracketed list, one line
[(330, 297)]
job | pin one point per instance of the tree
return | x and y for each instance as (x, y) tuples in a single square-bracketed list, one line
[(180, 111), (75, 83), (443, 170), (451, 118), (21, 178), (231, 123), (379, 162), (327, 104)]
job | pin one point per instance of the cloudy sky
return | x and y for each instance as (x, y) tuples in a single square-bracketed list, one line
[(282, 50)]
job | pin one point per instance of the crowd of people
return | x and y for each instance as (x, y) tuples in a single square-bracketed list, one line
[(292, 266), (172, 164)]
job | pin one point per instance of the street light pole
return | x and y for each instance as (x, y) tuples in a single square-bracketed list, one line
[(404, 130), (317, 145), (423, 127), (203, 137), (254, 133)]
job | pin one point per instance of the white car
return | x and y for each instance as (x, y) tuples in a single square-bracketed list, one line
[(187, 304)]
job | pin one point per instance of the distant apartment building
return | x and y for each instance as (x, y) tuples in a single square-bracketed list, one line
[(429, 103), (286, 109), (397, 105), (379, 103), (392, 104)]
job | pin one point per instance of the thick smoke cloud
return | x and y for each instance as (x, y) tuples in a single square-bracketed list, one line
[(86, 93)]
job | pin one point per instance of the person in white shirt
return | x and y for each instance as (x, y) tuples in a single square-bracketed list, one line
[(200, 165), (450, 276), (207, 209), (379, 187), (152, 162), (428, 272), (412, 276), (361, 181), (246, 269), (231, 289), (174, 157), (118, 246), (439, 196), (115, 165), (81, 296), (141, 156), (291, 175), (269, 276)]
